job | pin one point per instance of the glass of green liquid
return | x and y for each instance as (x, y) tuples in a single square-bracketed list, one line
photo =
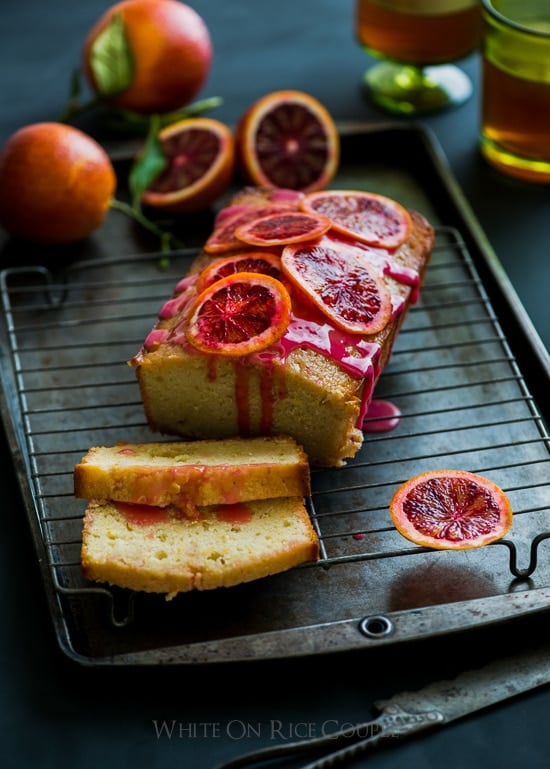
[(515, 102), (417, 43)]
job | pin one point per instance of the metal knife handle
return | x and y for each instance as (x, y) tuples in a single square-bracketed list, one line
[(394, 722)]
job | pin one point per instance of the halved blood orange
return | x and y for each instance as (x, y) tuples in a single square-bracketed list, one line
[(340, 283), (251, 261), (365, 216), (283, 228), (200, 154), (288, 139), (223, 238), (238, 315), (451, 509)]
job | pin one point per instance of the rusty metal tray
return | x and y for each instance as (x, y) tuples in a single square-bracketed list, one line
[(468, 373)]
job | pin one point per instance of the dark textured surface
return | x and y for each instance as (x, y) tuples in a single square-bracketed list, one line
[(57, 714)]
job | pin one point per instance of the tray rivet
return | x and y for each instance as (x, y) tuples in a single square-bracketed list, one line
[(377, 626)]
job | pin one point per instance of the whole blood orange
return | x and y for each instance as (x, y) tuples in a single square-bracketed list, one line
[(148, 56), (364, 216), (251, 261), (288, 139), (283, 228), (239, 315), (200, 159), (340, 283), (451, 509), (56, 183)]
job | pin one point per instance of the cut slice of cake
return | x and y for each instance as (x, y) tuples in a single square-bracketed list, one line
[(316, 380), (189, 474), (160, 550)]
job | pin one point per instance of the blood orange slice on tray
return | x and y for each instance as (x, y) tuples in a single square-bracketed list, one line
[(288, 139), (252, 261), (283, 228), (451, 509), (200, 160), (339, 282), (223, 239), (238, 315), (365, 216)]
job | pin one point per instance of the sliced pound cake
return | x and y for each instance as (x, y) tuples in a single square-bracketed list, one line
[(160, 550), (189, 474)]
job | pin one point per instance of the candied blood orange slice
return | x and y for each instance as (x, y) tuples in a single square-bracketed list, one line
[(200, 160), (339, 282), (288, 139), (223, 238), (364, 216), (451, 509), (240, 314), (283, 228), (251, 261)]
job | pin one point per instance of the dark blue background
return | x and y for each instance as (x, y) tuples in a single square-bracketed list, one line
[(55, 714)]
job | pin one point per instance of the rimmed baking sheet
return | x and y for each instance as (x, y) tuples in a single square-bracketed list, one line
[(467, 374)]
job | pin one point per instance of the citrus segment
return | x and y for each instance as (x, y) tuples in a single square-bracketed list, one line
[(339, 282), (451, 509), (288, 139), (252, 261), (223, 238), (200, 157), (283, 228), (239, 315), (364, 216)]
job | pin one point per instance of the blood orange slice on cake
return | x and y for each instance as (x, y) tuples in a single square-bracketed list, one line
[(451, 509), (200, 160), (288, 139), (283, 228), (340, 283), (223, 239), (252, 261), (238, 315), (365, 216)]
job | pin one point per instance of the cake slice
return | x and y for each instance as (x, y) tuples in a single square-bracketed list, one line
[(315, 382), (189, 474), (160, 550)]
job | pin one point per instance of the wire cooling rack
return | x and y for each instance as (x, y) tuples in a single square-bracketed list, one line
[(464, 401)]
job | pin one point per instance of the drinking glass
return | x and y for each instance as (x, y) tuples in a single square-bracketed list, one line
[(515, 102), (418, 41)]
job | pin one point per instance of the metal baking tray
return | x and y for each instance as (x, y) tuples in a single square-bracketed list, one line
[(468, 373)]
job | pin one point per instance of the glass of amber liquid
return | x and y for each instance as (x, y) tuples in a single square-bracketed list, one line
[(418, 42), (515, 102)]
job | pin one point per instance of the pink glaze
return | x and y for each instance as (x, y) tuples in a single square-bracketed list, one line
[(128, 451), (381, 416), (236, 513), (282, 195), (142, 515)]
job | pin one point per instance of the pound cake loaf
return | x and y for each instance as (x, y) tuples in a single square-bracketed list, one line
[(190, 474), (160, 550), (313, 345)]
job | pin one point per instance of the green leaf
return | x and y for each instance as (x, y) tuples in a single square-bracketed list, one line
[(149, 164), (111, 59)]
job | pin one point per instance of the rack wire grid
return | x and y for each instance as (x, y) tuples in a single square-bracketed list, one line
[(463, 401)]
